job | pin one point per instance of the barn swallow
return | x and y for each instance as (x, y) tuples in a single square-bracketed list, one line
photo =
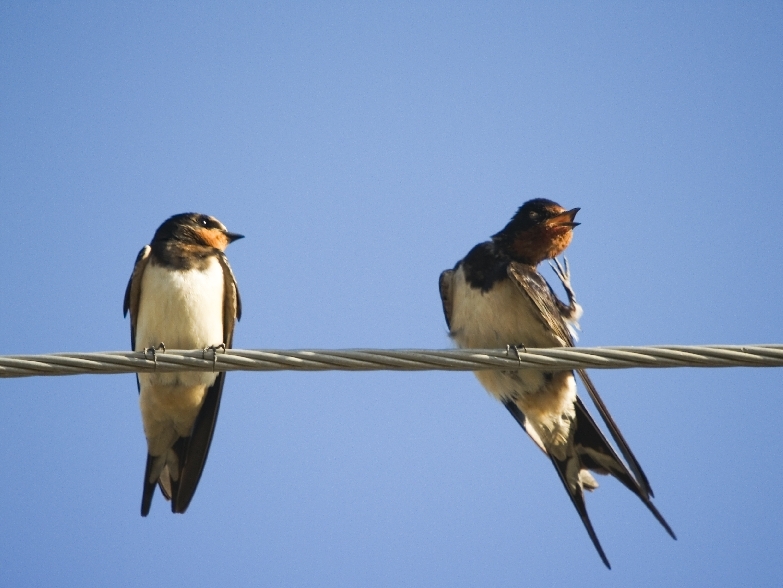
[(495, 298), (182, 295)]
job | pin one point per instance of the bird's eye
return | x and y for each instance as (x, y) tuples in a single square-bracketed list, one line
[(533, 215), (204, 222)]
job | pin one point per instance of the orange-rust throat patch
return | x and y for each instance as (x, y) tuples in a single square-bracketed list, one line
[(213, 238)]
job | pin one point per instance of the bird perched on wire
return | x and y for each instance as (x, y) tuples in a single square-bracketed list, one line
[(182, 295), (495, 297)]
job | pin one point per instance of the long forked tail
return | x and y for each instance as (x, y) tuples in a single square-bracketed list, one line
[(591, 451), (614, 431), (576, 495), (168, 486), (595, 453), (191, 456), (574, 490)]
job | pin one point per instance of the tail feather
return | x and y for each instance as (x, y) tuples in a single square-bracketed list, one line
[(595, 453), (577, 498), (592, 451), (164, 482), (180, 449), (574, 490), (614, 431), (149, 487)]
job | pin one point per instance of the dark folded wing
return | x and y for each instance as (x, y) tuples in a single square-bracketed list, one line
[(445, 283), (232, 304), (133, 291), (197, 447), (533, 284)]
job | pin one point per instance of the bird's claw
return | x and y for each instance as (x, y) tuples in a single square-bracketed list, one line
[(154, 351), (516, 351), (563, 272), (573, 311), (214, 349)]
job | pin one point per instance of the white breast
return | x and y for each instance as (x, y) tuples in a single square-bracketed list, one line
[(503, 316), (183, 309)]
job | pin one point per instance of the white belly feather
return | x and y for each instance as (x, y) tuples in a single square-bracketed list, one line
[(182, 310), (504, 317)]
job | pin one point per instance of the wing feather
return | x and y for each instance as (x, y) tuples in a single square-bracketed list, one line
[(133, 291), (533, 284), (445, 283), (232, 304)]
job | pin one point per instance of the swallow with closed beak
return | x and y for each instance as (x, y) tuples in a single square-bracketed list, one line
[(182, 295), (494, 298)]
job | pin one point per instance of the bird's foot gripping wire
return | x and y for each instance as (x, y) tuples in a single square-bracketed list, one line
[(213, 349), (516, 349), (154, 350)]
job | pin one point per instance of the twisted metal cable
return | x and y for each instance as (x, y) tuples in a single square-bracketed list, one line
[(120, 362)]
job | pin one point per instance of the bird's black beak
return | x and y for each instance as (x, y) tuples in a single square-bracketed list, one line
[(572, 213), (565, 219), (233, 236)]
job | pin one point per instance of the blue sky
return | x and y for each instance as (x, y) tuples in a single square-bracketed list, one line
[(362, 148)]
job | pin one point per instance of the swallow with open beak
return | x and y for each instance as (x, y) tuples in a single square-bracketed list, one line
[(182, 295), (495, 298)]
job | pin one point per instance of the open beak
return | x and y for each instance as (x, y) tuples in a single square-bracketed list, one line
[(564, 219), (236, 236)]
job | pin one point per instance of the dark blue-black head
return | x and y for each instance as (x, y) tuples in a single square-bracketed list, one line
[(541, 229), (193, 228)]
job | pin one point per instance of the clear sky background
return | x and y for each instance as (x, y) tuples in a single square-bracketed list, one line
[(362, 148)]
